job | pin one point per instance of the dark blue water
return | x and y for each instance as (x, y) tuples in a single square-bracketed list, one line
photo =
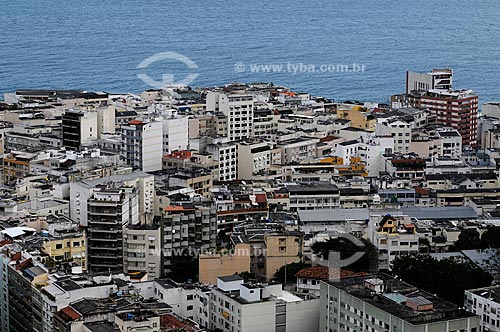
[(97, 45)]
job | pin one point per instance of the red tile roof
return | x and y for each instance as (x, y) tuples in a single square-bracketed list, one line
[(260, 198), (170, 322), (70, 313), (135, 122), (322, 273), (177, 208)]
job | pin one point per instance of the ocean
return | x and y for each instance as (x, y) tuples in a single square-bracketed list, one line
[(316, 46)]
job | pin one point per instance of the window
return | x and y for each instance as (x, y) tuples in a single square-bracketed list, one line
[(59, 246), (189, 307)]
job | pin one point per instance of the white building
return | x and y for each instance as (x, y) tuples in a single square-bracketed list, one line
[(255, 157), (450, 141), (105, 119), (81, 191), (313, 196), (485, 302), (297, 149), (240, 307), (142, 249), (392, 236), (380, 303), (143, 144), (439, 79), (238, 110), (226, 154), (79, 128), (491, 109), (401, 133), (175, 134)]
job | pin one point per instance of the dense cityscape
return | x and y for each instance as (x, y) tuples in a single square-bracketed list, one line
[(250, 207)]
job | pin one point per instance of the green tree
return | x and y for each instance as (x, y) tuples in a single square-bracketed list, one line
[(346, 248), (468, 239), (247, 276), (290, 270), (184, 268), (491, 237), (448, 278), (424, 246)]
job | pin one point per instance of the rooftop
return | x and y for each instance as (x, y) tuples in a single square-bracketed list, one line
[(491, 293), (400, 299)]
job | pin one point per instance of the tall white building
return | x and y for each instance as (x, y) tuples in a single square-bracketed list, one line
[(491, 109), (240, 307), (238, 110), (226, 154), (438, 79), (81, 191), (143, 145), (79, 128), (400, 132), (175, 134), (106, 119), (485, 302)]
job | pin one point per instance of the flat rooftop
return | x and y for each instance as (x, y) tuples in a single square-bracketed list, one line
[(394, 296), (492, 293)]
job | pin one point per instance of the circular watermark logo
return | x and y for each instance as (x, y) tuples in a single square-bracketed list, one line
[(335, 262), (167, 78)]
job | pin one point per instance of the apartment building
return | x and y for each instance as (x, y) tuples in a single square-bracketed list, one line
[(358, 116), (455, 109), (444, 142), (79, 128), (380, 303), (256, 158), (401, 133), (110, 210), (227, 156), (187, 228), (265, 123), (142, 249), (25, 276), (17, 165), (245, 307), (438, 79), (485, 302), (175, 133), (66, 245), (143, 144), (238, 110), (313, 196), (81, 191), (392, 236), (298, 149)]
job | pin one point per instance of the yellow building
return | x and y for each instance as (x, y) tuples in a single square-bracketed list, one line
[(67, 248), (16, 165), (355, 168), (359, 117), (224, 263)]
